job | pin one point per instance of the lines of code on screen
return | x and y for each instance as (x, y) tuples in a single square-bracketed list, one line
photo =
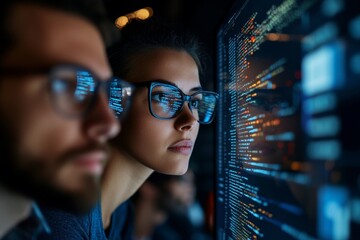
[(287, 145)]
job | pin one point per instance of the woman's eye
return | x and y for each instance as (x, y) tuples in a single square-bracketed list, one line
[(195, 103), (159, 97)]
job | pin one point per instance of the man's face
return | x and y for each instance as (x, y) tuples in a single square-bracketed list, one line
[(45, 155)]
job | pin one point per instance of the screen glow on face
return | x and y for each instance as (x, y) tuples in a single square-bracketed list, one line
[(166, 101)]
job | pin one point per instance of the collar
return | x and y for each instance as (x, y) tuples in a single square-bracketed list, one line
[(13, 209), (37, 212), (20, 218)]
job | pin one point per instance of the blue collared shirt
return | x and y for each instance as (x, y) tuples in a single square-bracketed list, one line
[(30, 228)]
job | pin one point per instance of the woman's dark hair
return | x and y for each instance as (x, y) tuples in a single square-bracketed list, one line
[(92, 10), (143, 35)]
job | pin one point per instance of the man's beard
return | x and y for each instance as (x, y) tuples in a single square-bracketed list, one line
[(32, 180)]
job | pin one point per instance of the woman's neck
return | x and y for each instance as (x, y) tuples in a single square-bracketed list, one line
[(122, 178)]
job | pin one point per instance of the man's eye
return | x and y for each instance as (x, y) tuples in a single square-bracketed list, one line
[(60, 86)]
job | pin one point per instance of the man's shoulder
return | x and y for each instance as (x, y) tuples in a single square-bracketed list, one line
[(66, 225)]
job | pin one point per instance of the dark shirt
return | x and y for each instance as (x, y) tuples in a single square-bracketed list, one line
[(68, 226), (30, 228), (179, 227)]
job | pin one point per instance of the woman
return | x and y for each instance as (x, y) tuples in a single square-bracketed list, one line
[(160, 129)]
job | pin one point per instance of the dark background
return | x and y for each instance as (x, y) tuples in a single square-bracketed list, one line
[(202, 18)]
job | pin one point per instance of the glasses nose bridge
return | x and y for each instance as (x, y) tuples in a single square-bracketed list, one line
[(103, 87), (187, 98)]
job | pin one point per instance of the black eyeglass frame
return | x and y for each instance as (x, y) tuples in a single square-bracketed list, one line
[(99, 84), (50, 72), (185, 98)]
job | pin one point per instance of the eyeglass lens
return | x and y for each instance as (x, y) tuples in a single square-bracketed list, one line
[(167, 101), (119, 93), (74, 91)]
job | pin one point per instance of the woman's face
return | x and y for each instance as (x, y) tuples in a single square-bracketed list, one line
[(162, 145)]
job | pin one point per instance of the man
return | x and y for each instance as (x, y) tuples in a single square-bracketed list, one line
[(54, 114)]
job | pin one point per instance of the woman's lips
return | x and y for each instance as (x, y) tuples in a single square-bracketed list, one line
[(183, 147)]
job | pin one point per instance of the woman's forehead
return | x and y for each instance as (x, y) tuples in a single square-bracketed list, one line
[(176, 67)]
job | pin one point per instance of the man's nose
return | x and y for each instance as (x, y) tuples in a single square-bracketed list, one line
[(102, 122)]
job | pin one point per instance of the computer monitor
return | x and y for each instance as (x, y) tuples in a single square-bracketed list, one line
[(288, 131)]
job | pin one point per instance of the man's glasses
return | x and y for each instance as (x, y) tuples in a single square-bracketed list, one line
[(74, 90), (166, 101)]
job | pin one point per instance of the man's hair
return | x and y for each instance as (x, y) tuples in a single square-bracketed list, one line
[(140, 36), (92, 10)]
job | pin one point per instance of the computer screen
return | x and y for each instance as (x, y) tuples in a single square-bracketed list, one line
[(288, 131)]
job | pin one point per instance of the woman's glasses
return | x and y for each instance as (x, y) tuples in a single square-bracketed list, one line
[(166, 101)]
